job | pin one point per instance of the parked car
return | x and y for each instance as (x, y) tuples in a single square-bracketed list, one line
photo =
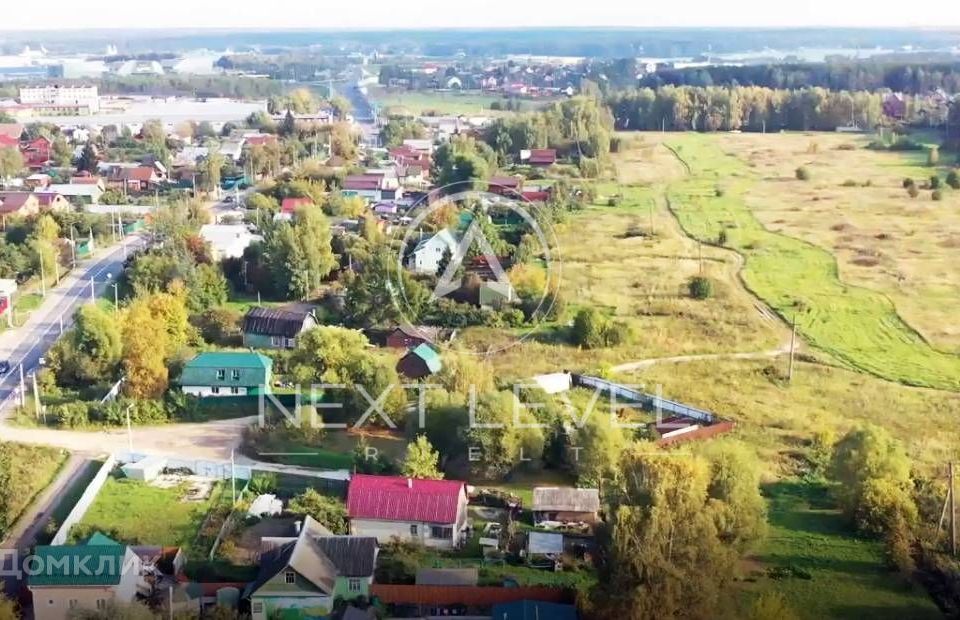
[(4, 368)]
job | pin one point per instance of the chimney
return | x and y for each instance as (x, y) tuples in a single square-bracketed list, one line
[(297, 525), (409, 483)]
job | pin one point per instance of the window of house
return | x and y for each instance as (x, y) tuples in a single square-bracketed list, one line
[(101, 603), (235, 374), (290, 577), (215, 389), (257, 607), (234, 390), (413, 529), (221, 374), (72, 603), (276, 341), (437, 531), (354, 585)]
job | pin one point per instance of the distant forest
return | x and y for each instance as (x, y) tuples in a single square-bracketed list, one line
[(911, 78)]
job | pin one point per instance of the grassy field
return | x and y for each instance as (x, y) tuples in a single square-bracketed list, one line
[(857, 326), (335, 450), (822, 570), (33, 468), (855, 207), (610, 260), (138, 513), (780, 419), (446, 102)]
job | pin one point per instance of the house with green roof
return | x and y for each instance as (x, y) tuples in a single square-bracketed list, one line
[(227, 373), (302, 577), (65, 579), (419, 362)]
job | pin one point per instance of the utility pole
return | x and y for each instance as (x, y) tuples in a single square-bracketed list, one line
[(793, 346), (23, 388), (36, 397), (93, 293), (953, 514), (129, 431), (61, 324), (43, 278), (116, 298), (233, 477)]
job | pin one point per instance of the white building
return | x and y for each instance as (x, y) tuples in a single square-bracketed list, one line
[(428, 253), (228, 240), (84, 98)]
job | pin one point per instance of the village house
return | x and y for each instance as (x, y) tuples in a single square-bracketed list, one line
[(36, 181), (227, 373), (228, 240), (539, 157), (52, 201), (505, 186), (63, 588), (276, 328), (37, 152), (303, 576), (420, 362), (429, 251), (565, 505), (77, 193), (19, 204), (431, 512), (410, 336), (135, 180)]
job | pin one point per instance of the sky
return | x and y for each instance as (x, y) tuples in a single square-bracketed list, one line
[(380, 14)]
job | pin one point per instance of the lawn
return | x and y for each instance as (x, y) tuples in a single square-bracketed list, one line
[(33, 468), (856, 326), (821, 569), (138, 513), (335, 450)]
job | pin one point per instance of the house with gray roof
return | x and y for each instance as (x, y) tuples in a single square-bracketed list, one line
[(565, 505), (308, 573), (276, 328)]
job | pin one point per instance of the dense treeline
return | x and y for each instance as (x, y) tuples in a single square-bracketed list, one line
[(747, 108), (237, 87), (899, 77)]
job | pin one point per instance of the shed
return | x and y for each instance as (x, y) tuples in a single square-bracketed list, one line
[(419, 362), (565, 504)]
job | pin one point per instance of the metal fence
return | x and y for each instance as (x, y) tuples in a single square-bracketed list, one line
[(83, 504), (642, 399)]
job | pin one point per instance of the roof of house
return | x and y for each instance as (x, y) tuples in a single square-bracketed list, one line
[(274, 322), (423, 332), (143, 174), (503, 181), (289, 205), (99, 538), (47, 198), (260, 139), (566, 499), (72, 189), (429, 356), (319, 557), (543, 156), (201, 370), (99, 564), (362, 182), (11, 202), (11, 130), (533, 610), (394, 498)]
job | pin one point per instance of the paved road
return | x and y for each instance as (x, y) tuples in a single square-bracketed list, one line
[(25, 345)]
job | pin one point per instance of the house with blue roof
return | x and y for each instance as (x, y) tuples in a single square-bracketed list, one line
[(227, 373)]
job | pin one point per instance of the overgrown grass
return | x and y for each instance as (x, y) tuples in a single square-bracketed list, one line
[(811, 558), (138, 513), (69, 499), (33, 468), (799, 280)]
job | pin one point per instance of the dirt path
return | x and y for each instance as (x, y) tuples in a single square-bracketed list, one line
[(680, 359)]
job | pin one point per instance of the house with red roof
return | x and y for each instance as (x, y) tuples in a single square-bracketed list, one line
[(19, 204), (508, 186), (430, 512), (37, 152), (539, 157)]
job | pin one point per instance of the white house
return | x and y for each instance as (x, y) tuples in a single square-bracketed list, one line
[(431, 512), (228, 240), (77, 193), (429, 251)]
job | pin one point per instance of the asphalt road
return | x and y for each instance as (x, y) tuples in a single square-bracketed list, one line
[(25, 345)]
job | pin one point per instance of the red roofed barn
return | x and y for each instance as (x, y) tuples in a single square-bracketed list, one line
[(432, 512)]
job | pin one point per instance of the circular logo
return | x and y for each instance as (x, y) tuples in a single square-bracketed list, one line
[(466, 246)]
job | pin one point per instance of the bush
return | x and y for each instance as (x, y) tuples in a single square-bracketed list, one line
[(953, 179), (849, 183), (803, 173), (937, 194), (908, 183), (722, 237), (934, 182), (912, 191), (329, 511), (700, 287)]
